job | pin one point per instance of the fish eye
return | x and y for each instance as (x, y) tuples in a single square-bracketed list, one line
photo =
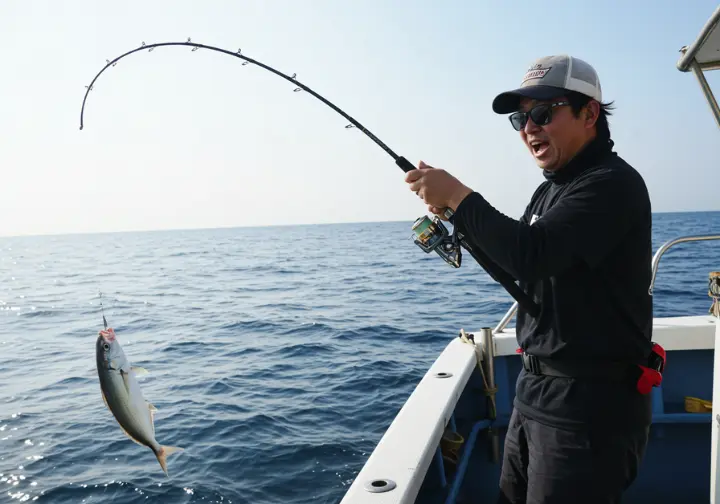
[(106, 347)]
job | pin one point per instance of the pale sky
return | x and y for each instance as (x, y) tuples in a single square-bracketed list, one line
[(181, 139)]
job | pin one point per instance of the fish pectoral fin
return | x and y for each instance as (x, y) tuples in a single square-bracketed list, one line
[(139, 370), (126, 376), (153, 410)]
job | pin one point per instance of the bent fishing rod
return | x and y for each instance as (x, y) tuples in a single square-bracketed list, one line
[(430, 235)]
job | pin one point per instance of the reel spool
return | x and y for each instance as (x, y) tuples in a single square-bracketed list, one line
[(433, 235)]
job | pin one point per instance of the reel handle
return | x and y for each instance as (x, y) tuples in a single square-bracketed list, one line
[(407, 166)]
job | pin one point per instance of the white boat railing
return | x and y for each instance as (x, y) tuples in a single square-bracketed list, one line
[(661, 251), (703, 55)]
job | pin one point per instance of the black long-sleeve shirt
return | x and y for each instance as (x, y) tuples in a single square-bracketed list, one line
[(582, 250)]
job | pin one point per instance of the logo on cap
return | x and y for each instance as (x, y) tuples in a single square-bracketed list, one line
[(536, 72)]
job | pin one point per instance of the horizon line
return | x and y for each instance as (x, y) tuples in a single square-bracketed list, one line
[(253, 226)]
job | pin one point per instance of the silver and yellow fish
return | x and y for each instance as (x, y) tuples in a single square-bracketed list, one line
[(123, 397)]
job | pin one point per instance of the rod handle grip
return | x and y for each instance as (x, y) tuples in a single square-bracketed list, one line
[(407, 166), (404, 164)]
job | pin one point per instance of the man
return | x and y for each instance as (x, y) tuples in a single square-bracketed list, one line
[(582, 251)]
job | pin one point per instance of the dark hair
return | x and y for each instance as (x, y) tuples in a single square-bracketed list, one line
[(579, 100)]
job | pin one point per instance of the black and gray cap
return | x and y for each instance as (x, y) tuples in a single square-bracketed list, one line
[(549, 77)]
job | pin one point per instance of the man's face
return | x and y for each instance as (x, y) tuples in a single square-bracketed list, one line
[(554, 144)]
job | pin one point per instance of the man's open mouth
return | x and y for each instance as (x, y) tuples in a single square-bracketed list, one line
[(539, 147)]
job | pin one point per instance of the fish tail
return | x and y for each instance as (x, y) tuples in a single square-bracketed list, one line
[(162, 454)]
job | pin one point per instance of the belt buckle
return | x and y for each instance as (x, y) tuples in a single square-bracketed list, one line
[(531, 363)]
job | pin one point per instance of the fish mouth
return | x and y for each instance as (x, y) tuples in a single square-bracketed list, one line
[(108, 334)]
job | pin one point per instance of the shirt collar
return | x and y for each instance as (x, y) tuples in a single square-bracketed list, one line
[(588, 156)]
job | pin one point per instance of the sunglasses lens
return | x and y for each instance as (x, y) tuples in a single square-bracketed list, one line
[(518, 120), (541, 115)]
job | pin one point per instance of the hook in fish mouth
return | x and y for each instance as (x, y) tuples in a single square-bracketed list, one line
[(108, 334)]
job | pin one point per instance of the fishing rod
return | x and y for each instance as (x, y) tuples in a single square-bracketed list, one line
[(430, 235)]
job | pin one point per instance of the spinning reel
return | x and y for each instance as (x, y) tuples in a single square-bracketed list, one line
[(433, 235)]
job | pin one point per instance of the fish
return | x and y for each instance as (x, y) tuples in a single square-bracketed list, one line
[(122, 396)]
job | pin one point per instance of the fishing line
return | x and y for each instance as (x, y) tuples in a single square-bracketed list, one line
[(447, 246), (102, 310)]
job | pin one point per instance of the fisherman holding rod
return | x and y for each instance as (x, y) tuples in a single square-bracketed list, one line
[(582, 251)]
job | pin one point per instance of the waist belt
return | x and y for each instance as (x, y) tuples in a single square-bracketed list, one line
[(645, 377), (576, 369)]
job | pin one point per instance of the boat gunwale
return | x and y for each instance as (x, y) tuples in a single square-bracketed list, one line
[(405, 452), (679, 333)]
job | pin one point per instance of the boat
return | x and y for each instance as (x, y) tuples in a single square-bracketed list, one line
[(445, 443)]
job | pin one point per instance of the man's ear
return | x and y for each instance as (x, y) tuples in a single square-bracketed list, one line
[(592, 112)]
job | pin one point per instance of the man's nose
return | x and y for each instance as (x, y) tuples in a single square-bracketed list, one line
[(531, 127)]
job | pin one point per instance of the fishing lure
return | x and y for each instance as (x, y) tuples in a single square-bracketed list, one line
[(429, 235)]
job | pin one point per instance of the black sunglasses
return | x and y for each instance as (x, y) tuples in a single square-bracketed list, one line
[(540, 114)]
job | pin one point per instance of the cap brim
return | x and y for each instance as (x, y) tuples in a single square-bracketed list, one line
[(509, 101)]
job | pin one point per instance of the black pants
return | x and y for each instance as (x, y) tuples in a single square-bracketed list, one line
[(548, 465)]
